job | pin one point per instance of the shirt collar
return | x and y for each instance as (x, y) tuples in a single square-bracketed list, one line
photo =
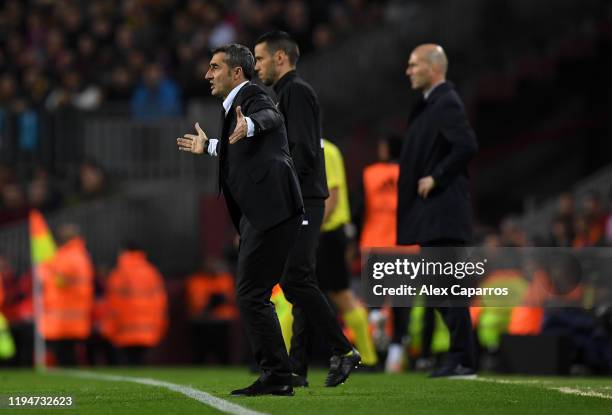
[(229, 100), (284, 80), (428, 92)]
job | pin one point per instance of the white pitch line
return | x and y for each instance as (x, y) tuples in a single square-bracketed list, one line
[(563, 389), (590, 394), (198, 395), (511, 381)]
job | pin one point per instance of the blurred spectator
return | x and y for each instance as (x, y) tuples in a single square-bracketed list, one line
[(17, 308), (7, 345), (42, 192), (157, 97), (211, 304), (608, 221), (86, 57), (586, 233), (121, 84), (8, 89), (298, 23), (37, 86), (6, 175), (14, 205), (322, 36), (592, 209), (27, 127), (67, 296), (376, 215), (136, 305), (73, 93), (191, 72), (566, 212), (491, 239), (561, 234), (92, 182), (512, 233)]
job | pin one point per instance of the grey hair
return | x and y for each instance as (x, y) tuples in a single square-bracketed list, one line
[(237, 55)]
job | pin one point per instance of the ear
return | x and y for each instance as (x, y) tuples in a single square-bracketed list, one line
[(279, 56)]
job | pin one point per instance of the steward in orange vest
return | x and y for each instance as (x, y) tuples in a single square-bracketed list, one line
[(211, 296), (136, 305), (67, 295), (376, 216), (380, 197), (211, 303)]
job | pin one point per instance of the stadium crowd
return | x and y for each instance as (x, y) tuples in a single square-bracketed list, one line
[(45, 191), (145, 56), (68, 53)]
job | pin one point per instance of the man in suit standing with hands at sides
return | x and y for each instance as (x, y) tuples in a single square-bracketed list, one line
[(276, 56), (434, 208)]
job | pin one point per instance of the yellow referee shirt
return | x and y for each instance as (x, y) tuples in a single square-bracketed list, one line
[(336, 177)]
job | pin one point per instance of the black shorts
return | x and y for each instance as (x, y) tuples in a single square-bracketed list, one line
[(332, 269)]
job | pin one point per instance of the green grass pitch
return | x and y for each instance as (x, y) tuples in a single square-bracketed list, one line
[(377, 394)]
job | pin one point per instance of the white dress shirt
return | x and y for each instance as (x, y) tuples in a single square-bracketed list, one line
[(227, 105)]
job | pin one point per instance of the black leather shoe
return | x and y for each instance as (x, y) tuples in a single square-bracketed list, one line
[(260, 387), (299, 381), (340, 367), (454, 372)]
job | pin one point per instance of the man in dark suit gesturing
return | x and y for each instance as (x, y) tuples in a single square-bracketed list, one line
[(262, 194), (434, 208)]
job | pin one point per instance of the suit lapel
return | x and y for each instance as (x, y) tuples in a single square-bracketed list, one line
[(418, 109), (221, 151), (227, 120)]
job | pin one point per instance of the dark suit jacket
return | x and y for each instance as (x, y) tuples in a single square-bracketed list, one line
[(299, 105), (440, 143), (256, 174)]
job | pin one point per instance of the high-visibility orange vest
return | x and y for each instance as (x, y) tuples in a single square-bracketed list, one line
[(135, 302), (528, 319), (380, 194), (67, 293), (200, 287)]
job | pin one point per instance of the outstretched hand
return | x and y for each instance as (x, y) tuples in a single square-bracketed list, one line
[(193, 143), (241, 127)]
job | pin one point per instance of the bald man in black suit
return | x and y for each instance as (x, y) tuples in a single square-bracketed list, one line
[(434, 208)]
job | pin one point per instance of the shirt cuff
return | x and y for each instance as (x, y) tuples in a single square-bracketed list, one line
[(250, 127), (212, 146)]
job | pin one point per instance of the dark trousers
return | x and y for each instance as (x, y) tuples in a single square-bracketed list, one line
[(100, 351), (261, 260), (133, 355), (310, 306), (462, 349), (401, 318), (211, 339), (64, 351), (459, 323)]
